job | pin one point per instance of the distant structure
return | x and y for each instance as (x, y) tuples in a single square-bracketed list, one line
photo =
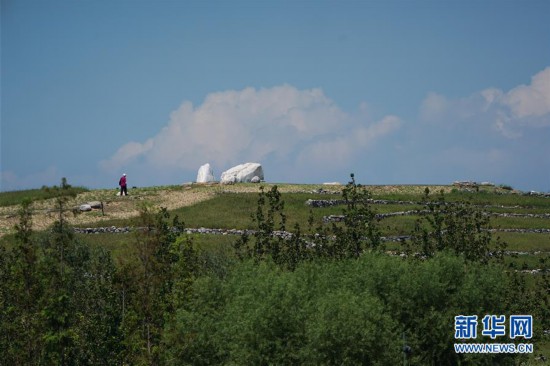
[(465, 183), (468, 183)]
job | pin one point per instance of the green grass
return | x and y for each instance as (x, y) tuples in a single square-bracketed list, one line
[(506, 199), (401, 225), (119, 245), (520, 223), (529, 261), (212, 248), (398, 225), (478, 198), (394, 208), (17, 197), (519, 210), (7, 241), (122, 245), (528, 242), (223, 211), (234, 211)]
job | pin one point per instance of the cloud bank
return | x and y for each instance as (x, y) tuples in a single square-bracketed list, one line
[(281, 126), (492, 135), (509, 113)]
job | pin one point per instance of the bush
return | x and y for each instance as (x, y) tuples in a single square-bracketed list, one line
[(336, 312)]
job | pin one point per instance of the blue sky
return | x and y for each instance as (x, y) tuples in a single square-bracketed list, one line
[(410, 92)]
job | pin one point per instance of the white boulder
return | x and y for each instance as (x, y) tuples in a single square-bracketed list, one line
[(85, 208), (242, 173), (205, 174)]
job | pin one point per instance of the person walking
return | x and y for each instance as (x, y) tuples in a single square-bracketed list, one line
[(122, 184)]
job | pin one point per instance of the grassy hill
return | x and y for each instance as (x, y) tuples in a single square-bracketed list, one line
[(231, 207), (515, 217)]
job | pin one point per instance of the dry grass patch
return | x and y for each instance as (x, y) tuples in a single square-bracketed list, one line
[(114, 207)]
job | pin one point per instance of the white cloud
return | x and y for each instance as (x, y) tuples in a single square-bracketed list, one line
[(525, 106), (126, 154), (433, 107), (491, 95), (281, 124), (509, 113), (335, 152), (530, 100), (493, 134)]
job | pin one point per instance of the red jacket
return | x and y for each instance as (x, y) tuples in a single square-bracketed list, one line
[(122, 181)]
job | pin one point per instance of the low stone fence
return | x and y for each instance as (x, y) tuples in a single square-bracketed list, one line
[(286, 234), (341, 218), (523, 231), (206, 231), (129, 229), (330, 203)]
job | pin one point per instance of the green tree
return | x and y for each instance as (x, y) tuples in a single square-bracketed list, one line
[(150, 286), (268, 219), (79, 306), (63, 195), (20, 290), (456, 226), (57, 305), (186, 267), (359, 231)]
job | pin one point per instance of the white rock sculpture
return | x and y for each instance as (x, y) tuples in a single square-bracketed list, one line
[(242, 173), (205, 174)]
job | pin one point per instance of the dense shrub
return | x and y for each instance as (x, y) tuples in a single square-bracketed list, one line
[(345, 312), (58, 301)]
